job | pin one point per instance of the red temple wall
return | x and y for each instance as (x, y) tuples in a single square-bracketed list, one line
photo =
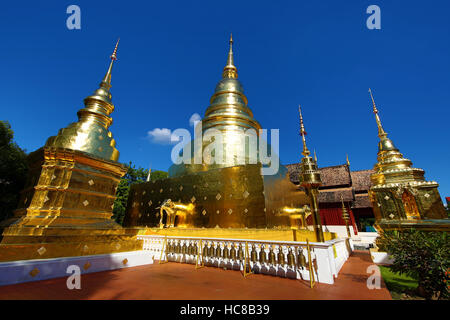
[(331, 215)]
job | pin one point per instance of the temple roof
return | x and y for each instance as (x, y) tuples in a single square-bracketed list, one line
[(339, 181), (294, 172), (334, 195), (333, 176), (361, 179), (361, 201)]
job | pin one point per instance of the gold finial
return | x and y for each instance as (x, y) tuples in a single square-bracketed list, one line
[(315, 157), (348, 162), (303, 133), (106, 82), (230, 70), (381, 132), (114, 56), (149, 173)]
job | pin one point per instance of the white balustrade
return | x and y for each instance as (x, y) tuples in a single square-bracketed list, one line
[(327, 258)]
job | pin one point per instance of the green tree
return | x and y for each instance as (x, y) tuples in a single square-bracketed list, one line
[(132, 176), (424, 255), (13, 171)]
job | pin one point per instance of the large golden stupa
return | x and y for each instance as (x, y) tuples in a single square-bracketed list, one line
[(66, 206), (227, 199), (400, 194)]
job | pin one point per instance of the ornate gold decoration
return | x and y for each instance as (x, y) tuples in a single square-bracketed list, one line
[(33, 273), (174, 210), (87, 265), (399, 191)]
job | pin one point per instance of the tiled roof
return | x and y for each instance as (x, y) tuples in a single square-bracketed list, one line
[(361, 179), (339, 180), (361, 201), (294, 172), (334, 195), (335, 176), (331, 176)]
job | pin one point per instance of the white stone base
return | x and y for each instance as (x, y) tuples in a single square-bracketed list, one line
[(362, 239), (381, 257), (13, 272)]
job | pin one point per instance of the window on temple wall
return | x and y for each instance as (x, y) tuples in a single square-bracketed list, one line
[(410, 205)]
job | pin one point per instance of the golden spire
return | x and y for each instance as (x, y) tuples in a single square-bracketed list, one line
[(315, 157), (106, 82), (305, 151), (90, 133), (381, 132), (345, 215), (230, 70), (348, 162)]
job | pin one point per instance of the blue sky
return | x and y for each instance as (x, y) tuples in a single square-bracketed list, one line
[(316, 53)]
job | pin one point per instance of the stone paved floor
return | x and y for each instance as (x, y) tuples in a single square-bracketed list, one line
[(182, 281)]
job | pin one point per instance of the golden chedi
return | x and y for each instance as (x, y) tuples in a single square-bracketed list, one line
[(400, 194), (66, 206), (228, 113), (227, 199)]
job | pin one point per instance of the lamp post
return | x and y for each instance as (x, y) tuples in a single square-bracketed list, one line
[(310, 181)]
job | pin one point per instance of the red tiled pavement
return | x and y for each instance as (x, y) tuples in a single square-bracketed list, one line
[(182, 281)]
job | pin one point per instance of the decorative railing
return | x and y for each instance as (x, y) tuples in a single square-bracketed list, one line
[(296, 260)]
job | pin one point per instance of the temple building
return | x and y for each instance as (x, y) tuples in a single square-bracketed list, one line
[(66, 206), (339, 182)]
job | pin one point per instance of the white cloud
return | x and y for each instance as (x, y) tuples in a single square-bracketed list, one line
[(194, 119), (161, 136)]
